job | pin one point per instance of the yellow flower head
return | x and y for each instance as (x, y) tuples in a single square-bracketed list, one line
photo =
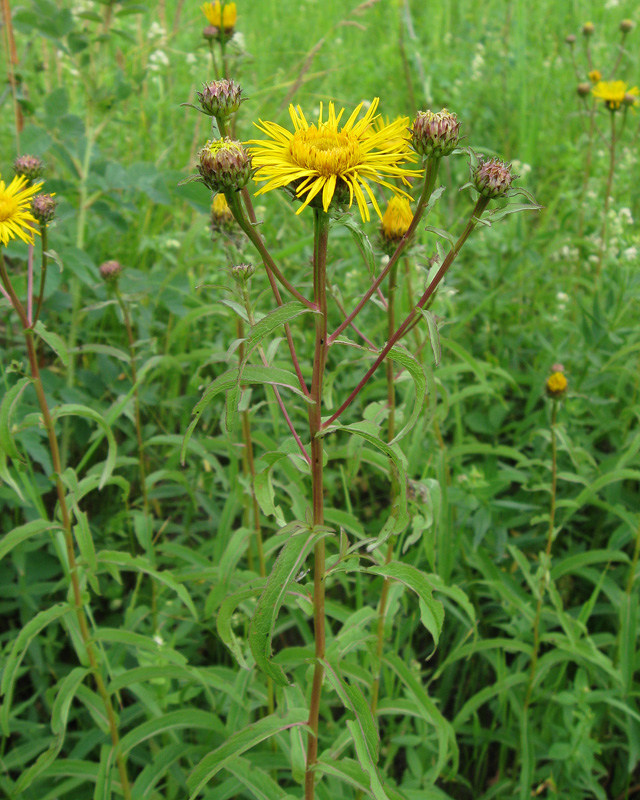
[(556, 384), (595, 75), (16, 218), (612, 93), (221, 217), (397, 219), (324, 158), (220, 17)]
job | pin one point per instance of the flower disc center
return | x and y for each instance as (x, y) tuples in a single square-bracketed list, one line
[(325, 151)]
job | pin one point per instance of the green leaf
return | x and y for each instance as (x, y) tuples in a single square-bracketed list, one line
[(139, 642), (238, 743), (434, 335), (287, 566), (431, 610), (271, 322), (366, 761), (415, 369), (174, 720), (24, 532), (140, 564), (75, 410), (257, 781), (18, 651), (55, 342), (7, 406), (225, 614), (360, 238), (353, 700)]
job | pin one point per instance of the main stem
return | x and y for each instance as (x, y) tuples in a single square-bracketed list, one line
[(68, 533), (552, 514), (321, 220), (391, 432), (607, 199)]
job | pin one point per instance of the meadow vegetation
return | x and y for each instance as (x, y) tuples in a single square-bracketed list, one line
[(238, 562)]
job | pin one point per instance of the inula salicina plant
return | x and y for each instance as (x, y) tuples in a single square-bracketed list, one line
[(297, 499)]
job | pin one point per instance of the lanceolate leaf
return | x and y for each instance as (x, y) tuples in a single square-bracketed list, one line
[(24, 532), (9, 401), (287, 566), (239, 743), (414, 368), (271, 322), (55, 342), (223, 620), (431, 610), (73, 409)]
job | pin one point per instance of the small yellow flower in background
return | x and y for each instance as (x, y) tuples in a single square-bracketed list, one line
[(322, 158), (220, 17), (221, 217), (397, 219), (612, 93), (556, 384), (16, 218), (595, 75)]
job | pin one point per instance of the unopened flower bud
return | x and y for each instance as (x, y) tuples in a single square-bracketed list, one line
[(222, 220), (630, 99), (110, 271), (626, 26), (395, 222), (224, 165), (556, 385), (43, 208), (595, 75), (588, 29), (31, 167), (220, 98), (210, 32), (242, 272), (583, 89), (493, 178), (435, 134), (570, 40)]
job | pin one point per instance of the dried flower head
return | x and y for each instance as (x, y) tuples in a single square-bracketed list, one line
[(224, 165), (30, 167), (110, 271), (612, 93), (242, 272), (584, 89), (220, 98), (595, 75), (16, 217), (396, 220), (570, 39), (588, 29), (626, 26), (556, 385), (493, 178), (322, 159), (43, 208), (435, 134)]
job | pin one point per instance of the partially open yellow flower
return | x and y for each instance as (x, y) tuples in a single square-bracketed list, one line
[(595, 75), (322, 158), (556, 384), (396, 220), (220, 16), (612, 93), (16, 218)]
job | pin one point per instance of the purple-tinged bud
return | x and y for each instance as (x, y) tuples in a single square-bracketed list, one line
[(220, 98), (626, 26), (630, 98), (43, 208), (224, 165), (570, 39), (493, 178), (210, 33), (435, 134), (583, 89), (242, 272), (588, 29), (110, 271), (31, 167)]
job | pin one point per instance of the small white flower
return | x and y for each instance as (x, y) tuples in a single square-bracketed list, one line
[(561, 297)]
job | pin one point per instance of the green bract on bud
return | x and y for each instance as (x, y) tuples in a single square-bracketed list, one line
[(588, 29), (220, 98), (224, 165), (583, 89), (570, 40), (43, 208), (626, 25), (242, 272), (493, 178), (110, 271), (31, 167), (435, 134)]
